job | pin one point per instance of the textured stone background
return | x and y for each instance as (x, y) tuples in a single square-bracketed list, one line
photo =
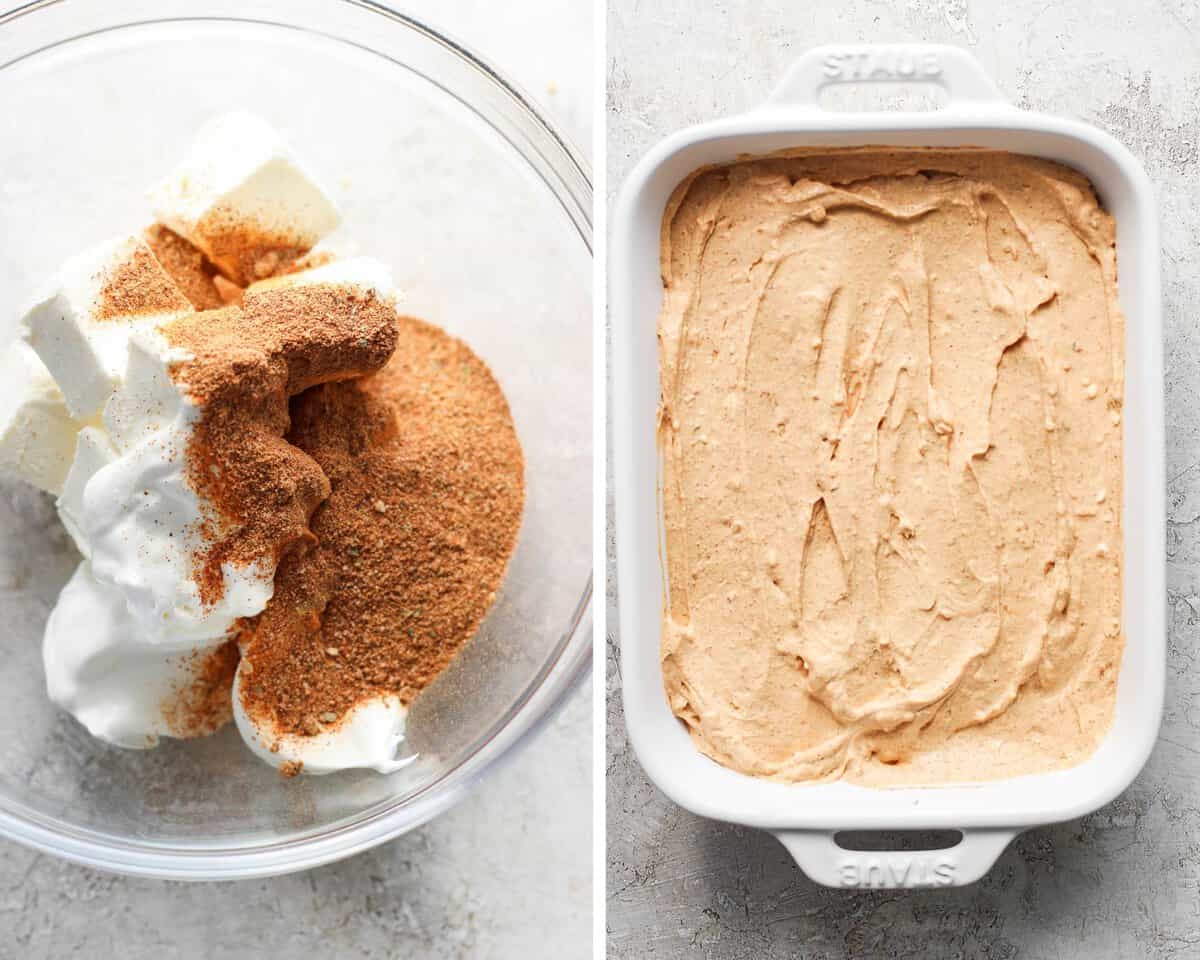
[(1121, 883), (505, 874)]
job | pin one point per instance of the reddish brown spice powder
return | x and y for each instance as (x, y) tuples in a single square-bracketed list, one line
[(138, 286), (205, 703), (258, 489), (310, 261), (427, 480), (245, 252), (420, 463), (190, 270)]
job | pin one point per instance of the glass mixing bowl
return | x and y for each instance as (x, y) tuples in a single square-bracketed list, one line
[(443, 170)]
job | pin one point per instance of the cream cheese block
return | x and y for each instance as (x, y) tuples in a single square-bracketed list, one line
[(242, 197), (81, 328), (366, 273), (37, 431)]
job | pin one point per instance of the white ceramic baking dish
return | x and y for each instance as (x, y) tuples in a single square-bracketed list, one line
[(807, 817)]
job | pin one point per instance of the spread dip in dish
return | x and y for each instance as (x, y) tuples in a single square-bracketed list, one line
[(890, 427)]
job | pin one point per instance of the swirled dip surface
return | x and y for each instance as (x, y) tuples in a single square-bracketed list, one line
[(890, 427)]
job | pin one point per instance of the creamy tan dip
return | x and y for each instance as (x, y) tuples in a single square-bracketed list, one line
[(890, 426)]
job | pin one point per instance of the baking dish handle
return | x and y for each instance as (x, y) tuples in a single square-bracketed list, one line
[(951, 68), (819, 856)]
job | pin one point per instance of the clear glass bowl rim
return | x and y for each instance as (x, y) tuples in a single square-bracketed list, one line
[(567, 175)]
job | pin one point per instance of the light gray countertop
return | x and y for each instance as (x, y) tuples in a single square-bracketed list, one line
[(505, 874), (1121, 883)]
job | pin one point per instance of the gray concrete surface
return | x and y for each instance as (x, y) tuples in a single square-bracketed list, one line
[(506, 874), (1121, 883)]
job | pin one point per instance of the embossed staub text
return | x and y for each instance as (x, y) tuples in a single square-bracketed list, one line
[(888, 64), (897, 871)]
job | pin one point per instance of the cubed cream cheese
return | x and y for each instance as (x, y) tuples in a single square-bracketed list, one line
[(240, 194), (37, 431), (81, 329), (147, 400), (366, 273)]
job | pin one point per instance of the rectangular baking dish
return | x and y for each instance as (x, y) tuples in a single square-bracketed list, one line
[(807, 817)]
